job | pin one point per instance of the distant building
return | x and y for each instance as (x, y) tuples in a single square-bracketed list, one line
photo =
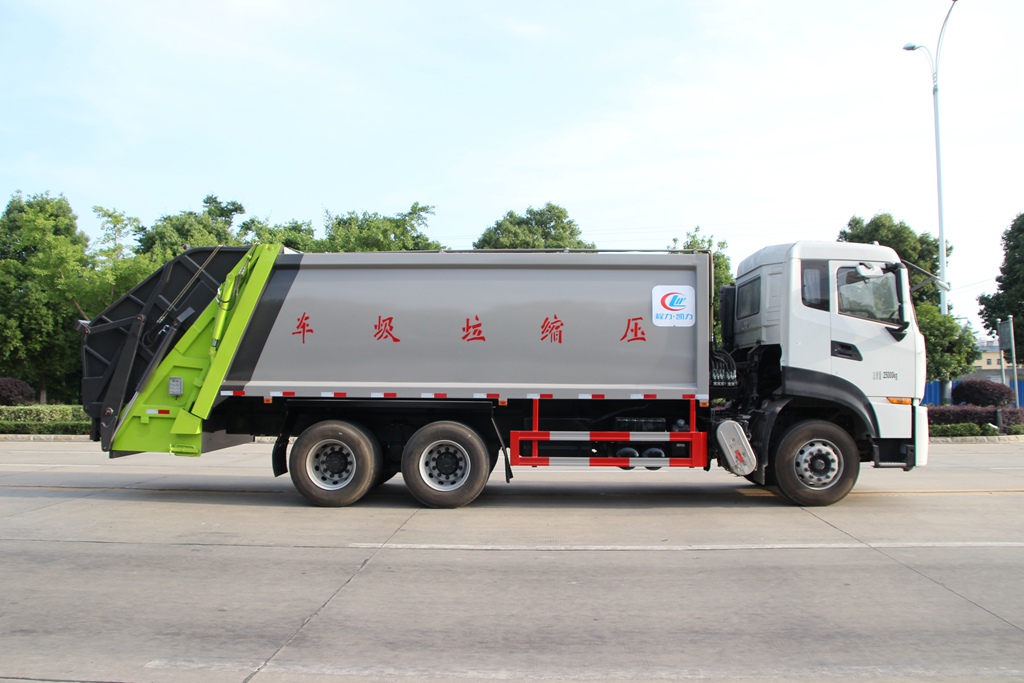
[(990, 365)]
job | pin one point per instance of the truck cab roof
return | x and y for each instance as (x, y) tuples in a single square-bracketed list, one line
[(808, 249)]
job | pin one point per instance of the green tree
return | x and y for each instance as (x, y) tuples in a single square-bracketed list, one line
[(951, 348), (373, 232), (296, 235), (1009, 297), (43, 261), (169, 234), (722, 267), (118, 267), (921, 250), (546, 228)]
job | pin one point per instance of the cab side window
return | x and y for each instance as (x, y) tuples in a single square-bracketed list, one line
[(814, 290), (748, 298)]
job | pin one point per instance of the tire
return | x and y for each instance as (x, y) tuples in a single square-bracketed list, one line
[(335, 463), (816, 463), (445, 465)]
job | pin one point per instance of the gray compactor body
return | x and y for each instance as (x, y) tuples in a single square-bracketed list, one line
[(472, 325)]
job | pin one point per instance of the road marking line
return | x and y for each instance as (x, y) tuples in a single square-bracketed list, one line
[(684, 548), (939, 492), (767, 493)]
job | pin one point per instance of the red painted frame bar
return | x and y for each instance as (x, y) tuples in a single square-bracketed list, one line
[(698, 444)]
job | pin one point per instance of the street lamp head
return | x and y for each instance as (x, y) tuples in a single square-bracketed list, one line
[(910, 46)]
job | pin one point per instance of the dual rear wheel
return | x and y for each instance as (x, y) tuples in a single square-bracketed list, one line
[(335, 463)]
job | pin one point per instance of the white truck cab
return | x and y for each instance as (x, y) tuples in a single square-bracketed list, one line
[(824, 333)]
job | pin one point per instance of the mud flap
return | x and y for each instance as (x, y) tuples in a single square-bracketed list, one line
[(736, 455)]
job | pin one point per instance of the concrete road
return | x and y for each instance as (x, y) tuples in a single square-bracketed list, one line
[(152, 568)]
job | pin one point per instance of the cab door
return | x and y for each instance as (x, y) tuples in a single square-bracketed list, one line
[(875, 342)]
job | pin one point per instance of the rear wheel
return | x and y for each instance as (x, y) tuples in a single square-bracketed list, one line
[(445, 465), (334, 463), (816, 463)]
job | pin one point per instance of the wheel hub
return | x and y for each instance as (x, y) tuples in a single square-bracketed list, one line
[(818, 464), (331, 465), (446, 463), (334, 463)]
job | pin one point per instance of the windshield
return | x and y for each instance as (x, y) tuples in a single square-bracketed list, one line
[(873, 298)]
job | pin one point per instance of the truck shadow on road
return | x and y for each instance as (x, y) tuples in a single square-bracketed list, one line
[(263, 492), (566, 495)]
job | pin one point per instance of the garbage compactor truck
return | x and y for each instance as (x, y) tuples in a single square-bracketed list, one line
[(440, 364)]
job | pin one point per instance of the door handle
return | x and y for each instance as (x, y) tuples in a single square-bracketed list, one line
[(847, 351)]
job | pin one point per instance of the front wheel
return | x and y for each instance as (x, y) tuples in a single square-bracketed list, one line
[(334, 463), (816, 463), (445, 465)]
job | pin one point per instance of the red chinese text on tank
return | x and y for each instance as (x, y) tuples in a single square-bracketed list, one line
[(633, 331), (303, 327), (473, 331), (385, 329), (551, 330)]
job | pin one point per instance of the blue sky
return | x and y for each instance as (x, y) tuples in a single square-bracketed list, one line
[(761, 122)]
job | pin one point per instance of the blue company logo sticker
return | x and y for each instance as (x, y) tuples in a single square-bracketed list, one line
[(673, 306)]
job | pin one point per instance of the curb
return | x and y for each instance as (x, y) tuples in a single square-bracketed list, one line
[(977, 439)]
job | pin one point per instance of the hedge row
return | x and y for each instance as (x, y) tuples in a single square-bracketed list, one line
[(949, 415), (962, 429), (36, 419), (42, 414), (8, 427)]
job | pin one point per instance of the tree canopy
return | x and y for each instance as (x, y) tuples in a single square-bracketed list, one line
[(297, 235), (546, 228), (920, 249), (1009, 297), (374, 232), (116, 266), (50, 275), (951, 348), (169, 235), (41, 289)]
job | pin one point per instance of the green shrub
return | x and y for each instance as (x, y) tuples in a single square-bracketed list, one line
[(989, 430), (7, 427), (982, 392), (1015, 430), (15, 392), (960, 429), (36, 419), (43, 414)]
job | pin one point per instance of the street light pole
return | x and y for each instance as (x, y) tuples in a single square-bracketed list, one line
[(934, 64)]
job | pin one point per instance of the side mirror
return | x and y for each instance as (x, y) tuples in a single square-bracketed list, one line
[(869, 271)]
